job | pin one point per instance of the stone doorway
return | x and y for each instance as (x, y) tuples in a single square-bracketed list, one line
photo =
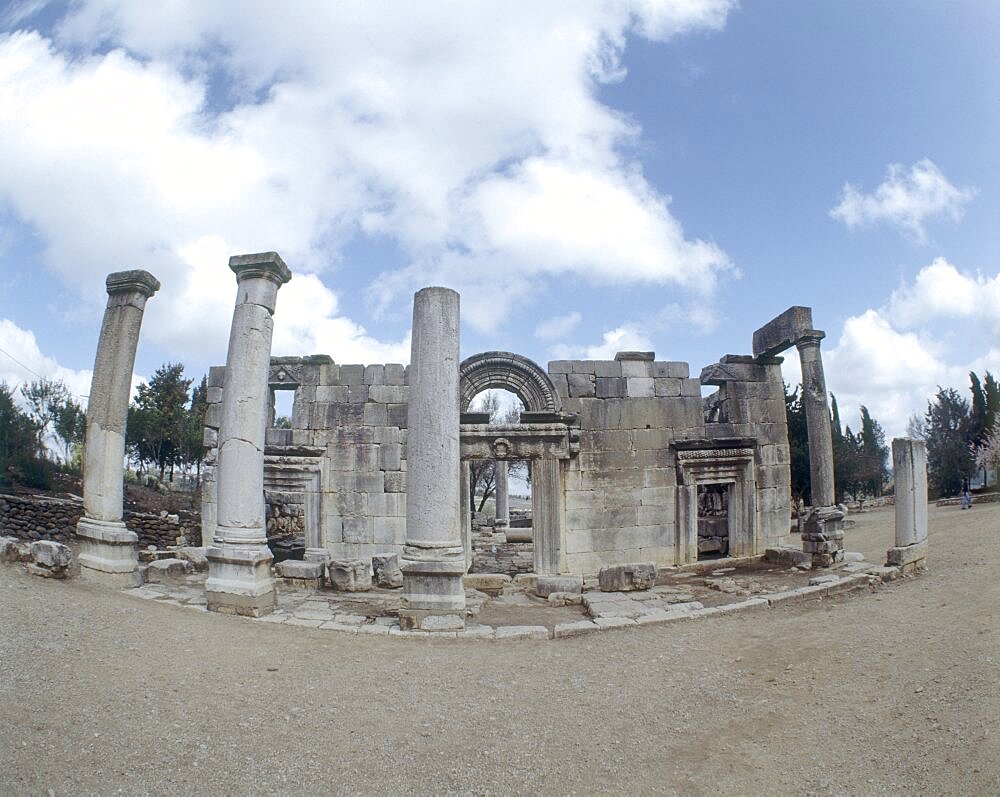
[(713, 520)]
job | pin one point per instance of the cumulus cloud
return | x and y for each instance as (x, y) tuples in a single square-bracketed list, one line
[(906, 198), (627, 337), (470, 136), (30, 364), (558, 327), (893, 358)]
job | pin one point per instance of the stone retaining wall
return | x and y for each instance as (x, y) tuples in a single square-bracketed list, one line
[(29, 517)]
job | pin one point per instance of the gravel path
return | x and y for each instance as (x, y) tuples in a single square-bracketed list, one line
[(896, 692)]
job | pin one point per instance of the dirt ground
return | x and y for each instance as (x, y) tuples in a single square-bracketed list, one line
[(895, 692)]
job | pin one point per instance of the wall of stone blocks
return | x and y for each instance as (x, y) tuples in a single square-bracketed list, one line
[(751, 403), (621, 489), (350, 419)]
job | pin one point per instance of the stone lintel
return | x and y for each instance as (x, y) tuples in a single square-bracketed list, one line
[(715, 442), (263, 264), (783, 331), (135, 280), (644, 356)]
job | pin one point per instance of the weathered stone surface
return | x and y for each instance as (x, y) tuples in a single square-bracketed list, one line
[(51, 555), (546, 585), (565, 599), (12, 551), (490, 583), (902, 556), (782, 332), (521, 632), (385, 568), (909, 463), (297, 568), (166, 570), (790, 556), (196, 556), (349, 575), (628, 577)]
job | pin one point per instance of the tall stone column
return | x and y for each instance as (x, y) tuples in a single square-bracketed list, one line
[(433, 558), (502, 513), (909, 465), (239, 573), (822, 534), (108, 550)]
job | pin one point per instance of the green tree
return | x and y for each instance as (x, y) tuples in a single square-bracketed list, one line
[(70, 427), (45, 399), (158, 420), (949, 453), (193, 446), (20, 453), (798, 443), (874, 454)]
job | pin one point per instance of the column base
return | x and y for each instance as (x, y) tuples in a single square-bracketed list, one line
[(909, 558), (109, 553), (432, 589), (823, 535), (239, 580)]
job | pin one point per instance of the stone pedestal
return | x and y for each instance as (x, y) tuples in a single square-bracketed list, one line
[(823, 535), (434, 558), (239, 561), (909, 463), (502, 502), (108, 550)]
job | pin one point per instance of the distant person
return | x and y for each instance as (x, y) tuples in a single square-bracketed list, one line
[(966, 495)]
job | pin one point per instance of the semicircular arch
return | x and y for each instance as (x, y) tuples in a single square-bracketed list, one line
[(507, 371)]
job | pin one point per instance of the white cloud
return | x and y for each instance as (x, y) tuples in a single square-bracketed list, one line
[(171, 136), (627, 337), (892, 359), (942, 291), (906, 198), (22, 362), (558, 327)]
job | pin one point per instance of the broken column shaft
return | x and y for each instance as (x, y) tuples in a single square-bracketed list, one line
[(909, 465), (239, 578), (108, 550), (433, 560)]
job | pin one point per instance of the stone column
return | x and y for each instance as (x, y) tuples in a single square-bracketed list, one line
[(502, 513), (239, 573), (822, 534), (909, 464), (108, 550), (433, 558)]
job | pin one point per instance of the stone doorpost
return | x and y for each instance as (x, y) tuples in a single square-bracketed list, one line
[(548, 517), (434, 559), (239, 574), (109, 551), (909, 464)]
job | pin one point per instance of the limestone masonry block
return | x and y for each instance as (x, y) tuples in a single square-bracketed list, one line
[(581, 385), (349, 575), (394, 374), (53, 556), (375, 375), (607, 368), (639, 387), (546, 585), (352, 374), (386, 570), (610, 387), (637, 368), (627, 578)]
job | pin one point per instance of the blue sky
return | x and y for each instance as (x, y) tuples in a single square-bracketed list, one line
[(590, 176)]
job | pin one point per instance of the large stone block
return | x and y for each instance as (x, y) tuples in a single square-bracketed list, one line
[(385, 568), (166, 571), (639, 387), (782, 332), (628, 577), (349, 575), (52, 556), (546, 585), (581, 385)]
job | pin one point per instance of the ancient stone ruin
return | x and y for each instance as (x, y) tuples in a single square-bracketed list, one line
[(632, 470)]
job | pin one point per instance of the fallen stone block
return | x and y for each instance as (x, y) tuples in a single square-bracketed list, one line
[(546, 585), (196, 556), (627, 578), (11, 550), (565, 599), (166, 570), (787, 555), (385, 568), (50, 559), (349, 575), (297, 573), (490, 583)]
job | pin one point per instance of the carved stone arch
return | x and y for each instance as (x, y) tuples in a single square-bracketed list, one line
[(508, 371)]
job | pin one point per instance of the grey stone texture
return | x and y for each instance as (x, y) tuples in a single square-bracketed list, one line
[(349, 575), (239, 578), (434, 557), (108, 550), (628, 577), (909, 463)]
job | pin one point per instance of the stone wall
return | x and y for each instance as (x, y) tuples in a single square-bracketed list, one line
[(36, 518), (621, 489)]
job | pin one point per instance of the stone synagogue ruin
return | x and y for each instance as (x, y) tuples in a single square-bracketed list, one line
[(633, 471)]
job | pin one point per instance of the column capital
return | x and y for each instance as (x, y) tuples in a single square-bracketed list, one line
[(811, 337), (267, 265), (134, 281)]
